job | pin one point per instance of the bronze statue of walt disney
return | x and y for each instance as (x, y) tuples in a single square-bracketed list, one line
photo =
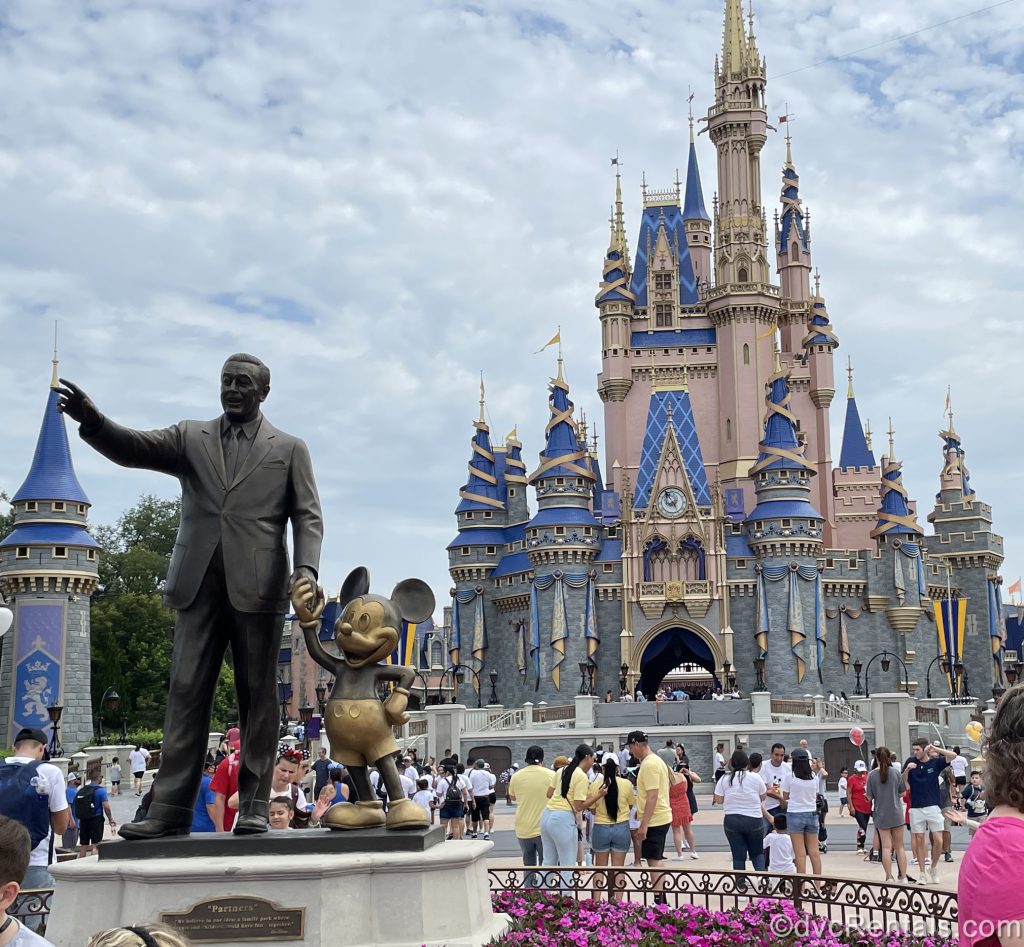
[(358, 724)]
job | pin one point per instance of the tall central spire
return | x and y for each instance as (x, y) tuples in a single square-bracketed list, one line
[(734, 40)]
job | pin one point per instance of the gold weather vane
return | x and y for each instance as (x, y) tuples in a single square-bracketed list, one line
[(787, 120), (482, 397), (849, 375), (817, 282), (54, 380), (689, 102), (892, 448), (867, 433), (949, 407)]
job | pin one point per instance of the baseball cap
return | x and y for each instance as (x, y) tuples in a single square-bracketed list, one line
[(609, 758), (73, 777), (860, 766), (30, 733), (234, 738), (535, 754), (636, 736), (800, 754)]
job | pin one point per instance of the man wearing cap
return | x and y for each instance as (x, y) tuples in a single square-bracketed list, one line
[(46, 817), (860, 805), (69, 840), (528, 789), (225, 783), (480, 784), (652, 806)]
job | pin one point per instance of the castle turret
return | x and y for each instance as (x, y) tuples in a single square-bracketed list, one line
[(696, 220), (793, 255), (48, 572), (855, 484), (896, 519)]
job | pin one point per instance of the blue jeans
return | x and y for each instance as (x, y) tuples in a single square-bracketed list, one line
[(745, 835), (558, 832), (803, 823), (37, 876), (533, 854)]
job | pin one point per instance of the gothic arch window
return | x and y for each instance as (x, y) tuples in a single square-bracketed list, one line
[(795, 251), (746, 354), (728, 428), (743, 275)]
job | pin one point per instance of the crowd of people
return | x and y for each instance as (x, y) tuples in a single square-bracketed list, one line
[(701, 690)]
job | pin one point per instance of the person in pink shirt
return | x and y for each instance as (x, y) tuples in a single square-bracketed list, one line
[(992, 914)]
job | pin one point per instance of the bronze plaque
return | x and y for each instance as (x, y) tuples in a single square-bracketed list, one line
[(237, 918)]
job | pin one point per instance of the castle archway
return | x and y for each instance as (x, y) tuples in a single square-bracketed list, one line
[(686, 651)]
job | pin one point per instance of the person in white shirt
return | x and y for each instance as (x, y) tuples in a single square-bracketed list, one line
[(480, 786), (844, 802), (29, 746), (423, 797), (137, 761), (779, 848), (958, 766), (800, 791), (773, 771), (411, 771), (741, 794)]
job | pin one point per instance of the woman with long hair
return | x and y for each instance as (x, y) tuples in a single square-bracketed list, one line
[(568, 795), (452, 794), (885, 788), (800, 793), (611, 836), (741, 794), (990, 905), (682, 817)]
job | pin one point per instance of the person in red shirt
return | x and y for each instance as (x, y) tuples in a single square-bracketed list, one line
[(225, 783), (860, 805)]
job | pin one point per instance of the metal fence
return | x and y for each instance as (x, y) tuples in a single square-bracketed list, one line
[(32, 903), (842, 902)]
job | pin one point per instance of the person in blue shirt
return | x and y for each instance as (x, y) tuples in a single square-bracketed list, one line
[(69, 840), (921, 773), (91, 804), (202, 818)]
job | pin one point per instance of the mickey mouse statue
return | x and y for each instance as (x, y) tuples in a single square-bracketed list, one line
[(358, 724)]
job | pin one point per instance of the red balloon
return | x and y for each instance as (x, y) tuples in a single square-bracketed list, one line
[(856, 736)]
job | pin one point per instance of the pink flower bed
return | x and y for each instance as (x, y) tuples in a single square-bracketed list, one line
[(547, 919)]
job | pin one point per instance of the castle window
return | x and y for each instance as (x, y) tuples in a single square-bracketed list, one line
[(741, 563), (491, 550), (586, 530), (615, 351), (853, 562), (728, 429), (21, 552), (787, 523), (91, 555), (559, 481), (60, 552), (746, 354), (830, 563), (607, 567), (511, 491), (31, 507), (613, 532), (743, 276), (469, 516), (488, 514), (662, 280), (59, 506), (559, 530), (465, 550), (663, 316), (81, 509), (636, 351)]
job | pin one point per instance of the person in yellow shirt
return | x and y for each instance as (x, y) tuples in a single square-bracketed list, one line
[(652, 806), (528, 789), (611, 837), (568, 794)]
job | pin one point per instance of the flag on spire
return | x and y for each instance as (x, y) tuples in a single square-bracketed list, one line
[(555, 339)]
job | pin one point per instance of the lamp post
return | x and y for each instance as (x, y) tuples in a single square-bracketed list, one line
[(885, 658), (458, 674), (110, 700), (584, 678), (284, 696), (943, 661), (726, 668), (305, 715), (321, 698), (759, 672), (55, 749), (492, 676), (857, 668), (1012, 672), (623, 678)]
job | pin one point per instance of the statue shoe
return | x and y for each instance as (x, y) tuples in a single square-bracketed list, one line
[(406, 814), (252, 823), (359, 815), (151, 828)]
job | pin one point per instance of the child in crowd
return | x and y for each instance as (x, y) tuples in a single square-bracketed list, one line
[(282, 811), (424, 798), (15, 846), (843, 802), (149, 935), (973, 795), (778, 848), (114, 775)]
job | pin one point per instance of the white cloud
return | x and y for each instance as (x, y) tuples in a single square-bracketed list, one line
[(429, 185)]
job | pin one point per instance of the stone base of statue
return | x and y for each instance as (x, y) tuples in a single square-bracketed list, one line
[(309, 887)]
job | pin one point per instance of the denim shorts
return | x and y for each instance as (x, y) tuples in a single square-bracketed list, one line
[(611, 838), (799, 823)]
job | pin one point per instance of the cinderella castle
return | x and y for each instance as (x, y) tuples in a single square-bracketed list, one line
[(719, 535)]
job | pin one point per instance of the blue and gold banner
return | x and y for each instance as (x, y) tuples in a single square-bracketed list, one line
[(950, 623), (38, 641), (405, 650)]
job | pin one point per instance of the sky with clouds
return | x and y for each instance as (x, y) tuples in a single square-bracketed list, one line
[(382, 200)]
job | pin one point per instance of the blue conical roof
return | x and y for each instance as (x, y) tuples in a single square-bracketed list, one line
[(693, 201), (792, 222), (955, 466), (780, 447), (614, 280), (855, 451), (562, 455), (481, 491), (894, 516), (52, 475)]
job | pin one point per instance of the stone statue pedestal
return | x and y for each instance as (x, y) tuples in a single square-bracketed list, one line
[(305, 887)]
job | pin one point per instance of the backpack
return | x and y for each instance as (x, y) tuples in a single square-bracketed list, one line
[(85, 802), (20, 801), (453, 793)]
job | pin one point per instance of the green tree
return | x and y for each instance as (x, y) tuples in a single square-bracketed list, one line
[(6, 514)]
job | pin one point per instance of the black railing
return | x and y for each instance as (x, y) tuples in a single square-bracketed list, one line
[(844, 903), (31, 903)]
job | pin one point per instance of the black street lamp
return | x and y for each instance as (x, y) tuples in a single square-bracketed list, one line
[(726, 668), (458, 672), (284, 696), (1012, 672), (584, 678), (55, 749), (857, 668), (321, 698), (759, 672), (492, 676), (110, 700), (885, 659), (305, 715), (943, 661), (623, 678)]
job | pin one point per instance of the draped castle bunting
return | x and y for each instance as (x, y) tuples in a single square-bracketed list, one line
[(794, 614), (559, 622)]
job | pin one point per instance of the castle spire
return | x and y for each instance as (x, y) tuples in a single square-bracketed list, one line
[(894, 515), (856, 451), (734, 39), (616, 271), (562, 455), (954, 475), (55, 379), (693, 204), (481, 491)]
